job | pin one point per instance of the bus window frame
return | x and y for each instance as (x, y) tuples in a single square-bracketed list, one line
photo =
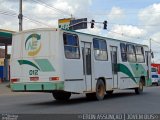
[(125, 52), (133, 53), (100, 50), (142, 53), (78, 47)]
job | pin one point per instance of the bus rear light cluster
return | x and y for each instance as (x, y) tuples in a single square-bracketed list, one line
[(15, 80), (53, 78)]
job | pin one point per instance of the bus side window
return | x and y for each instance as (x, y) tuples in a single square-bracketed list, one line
[(131, 56), (140, 54), (100, 49), (123, 52), (71, 46)]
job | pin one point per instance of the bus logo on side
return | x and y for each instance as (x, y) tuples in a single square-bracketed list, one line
[(33, 44)]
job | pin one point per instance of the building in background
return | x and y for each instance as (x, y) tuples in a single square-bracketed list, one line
[(5, 41), (157, 66)]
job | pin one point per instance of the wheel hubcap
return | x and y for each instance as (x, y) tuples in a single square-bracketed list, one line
[(101, 90)]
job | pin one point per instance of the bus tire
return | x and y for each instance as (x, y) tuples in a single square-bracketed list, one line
[(109, 92), (100, 89), (139, 90), (61, 95)]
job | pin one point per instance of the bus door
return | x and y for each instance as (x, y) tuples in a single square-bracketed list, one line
[(114, 66), (86, 54)]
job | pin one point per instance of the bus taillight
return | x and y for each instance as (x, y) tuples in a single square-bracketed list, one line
[(53, 78), (14, 80)]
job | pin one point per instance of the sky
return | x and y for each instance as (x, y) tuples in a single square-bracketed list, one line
[(130, 20)]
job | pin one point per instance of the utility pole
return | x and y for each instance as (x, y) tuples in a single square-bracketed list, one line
[(150, 45), (20, 16), (151, 53)]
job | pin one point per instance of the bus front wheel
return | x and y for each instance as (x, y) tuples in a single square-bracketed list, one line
[(61, 95)]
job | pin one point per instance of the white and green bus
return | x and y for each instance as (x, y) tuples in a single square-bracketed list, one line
[(65, 62)]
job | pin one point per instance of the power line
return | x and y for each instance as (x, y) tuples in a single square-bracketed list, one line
[(55, 8), (12, 13), (8, 14), (51, 7), (36, 21)]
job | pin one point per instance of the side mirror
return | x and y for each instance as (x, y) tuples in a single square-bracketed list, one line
[(152, 55)]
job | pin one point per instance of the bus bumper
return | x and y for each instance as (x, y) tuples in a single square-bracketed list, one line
[(33, 87)]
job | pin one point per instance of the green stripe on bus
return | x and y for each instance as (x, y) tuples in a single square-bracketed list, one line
[(42, 64), (45, 65), (124, 69), (27, 62), (138, 70)]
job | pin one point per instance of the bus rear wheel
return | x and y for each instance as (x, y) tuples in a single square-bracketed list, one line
[(100, 90), (140, 88), (61, 95)]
